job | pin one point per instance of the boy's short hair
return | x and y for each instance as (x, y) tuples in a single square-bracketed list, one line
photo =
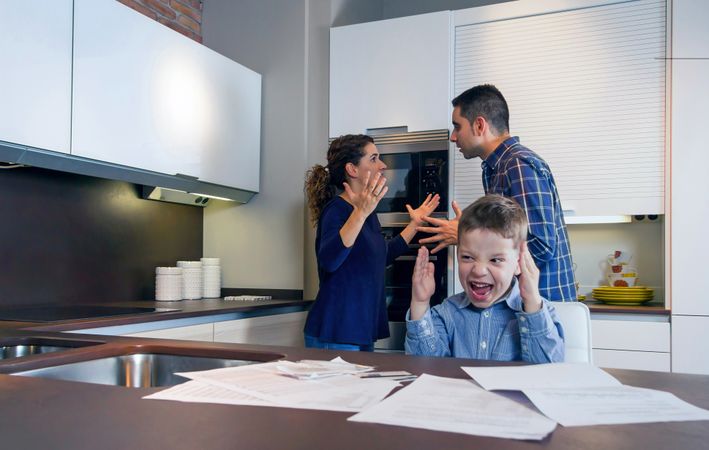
[(495, 213)]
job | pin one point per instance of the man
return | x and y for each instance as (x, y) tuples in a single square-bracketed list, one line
[(481, 130)]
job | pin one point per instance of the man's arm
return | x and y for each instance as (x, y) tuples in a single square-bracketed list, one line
[(534, 194)]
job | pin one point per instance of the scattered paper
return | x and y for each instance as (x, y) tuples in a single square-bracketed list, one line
[(267, 382), (540, 376), (612, 405), (309, 369), (458, 406), (199, 392)]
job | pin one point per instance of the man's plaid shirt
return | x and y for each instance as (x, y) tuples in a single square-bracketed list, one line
[(515, 171)]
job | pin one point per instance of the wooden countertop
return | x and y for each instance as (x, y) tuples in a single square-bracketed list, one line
[(41, 413), (650, 308)]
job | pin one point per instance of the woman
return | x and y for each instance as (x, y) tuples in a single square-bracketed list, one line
[(350, 311)]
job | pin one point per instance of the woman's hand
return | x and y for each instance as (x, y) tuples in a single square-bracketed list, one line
[(423, 285), (427, 207), (529, 281), (368, 198)]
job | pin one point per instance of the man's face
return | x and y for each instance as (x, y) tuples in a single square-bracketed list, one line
[(486, 264), (464, 136)]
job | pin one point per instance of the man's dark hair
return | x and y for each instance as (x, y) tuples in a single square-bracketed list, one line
[(487, 101)]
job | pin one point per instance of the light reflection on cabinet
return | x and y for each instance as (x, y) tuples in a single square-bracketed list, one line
[(282, 329)]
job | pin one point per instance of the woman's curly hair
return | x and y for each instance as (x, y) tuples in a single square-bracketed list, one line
[(323, 182)]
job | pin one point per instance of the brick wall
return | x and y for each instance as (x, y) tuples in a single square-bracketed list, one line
[(184, 16)]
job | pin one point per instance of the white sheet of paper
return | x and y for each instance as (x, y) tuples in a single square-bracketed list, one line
[(309, 369), (199, 392), (540, 376), (612, 405), (266, 382), (458, 406)]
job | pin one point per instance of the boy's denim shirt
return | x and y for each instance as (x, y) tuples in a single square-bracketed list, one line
[(501, 332)]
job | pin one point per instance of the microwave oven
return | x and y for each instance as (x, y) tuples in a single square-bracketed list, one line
[(417, 165)]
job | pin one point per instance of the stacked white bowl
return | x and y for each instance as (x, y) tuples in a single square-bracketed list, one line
[(168, 284), (211, 278), (191, 279)]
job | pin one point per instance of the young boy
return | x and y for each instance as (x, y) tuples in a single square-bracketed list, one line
[(498, 316)]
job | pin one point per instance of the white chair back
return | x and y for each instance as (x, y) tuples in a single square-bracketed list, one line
[(576, 320)]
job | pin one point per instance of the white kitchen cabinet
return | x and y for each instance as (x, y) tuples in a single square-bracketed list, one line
[(147, 97), (585, 85), (689, 205), (690, 344), (35, 81), (690, 158), (631, 344), (391, 73), (624, 359), (281, 329), (202, 332)]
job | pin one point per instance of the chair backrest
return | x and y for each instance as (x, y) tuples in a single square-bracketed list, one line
[(576, 320)]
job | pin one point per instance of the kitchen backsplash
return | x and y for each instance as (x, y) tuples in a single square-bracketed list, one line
[(75, 239)]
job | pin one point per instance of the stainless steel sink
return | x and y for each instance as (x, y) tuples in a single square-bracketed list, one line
[(137, 370), (19, 347)]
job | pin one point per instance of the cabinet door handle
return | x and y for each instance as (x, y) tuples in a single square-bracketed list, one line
[(413, 258)]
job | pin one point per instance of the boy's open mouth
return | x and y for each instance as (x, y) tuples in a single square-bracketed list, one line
[(479, 291)]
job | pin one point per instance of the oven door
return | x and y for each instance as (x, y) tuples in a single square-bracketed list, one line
[(402, 176), (397, 288)]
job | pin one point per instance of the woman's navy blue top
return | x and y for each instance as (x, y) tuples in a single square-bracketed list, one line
[(350, 307)]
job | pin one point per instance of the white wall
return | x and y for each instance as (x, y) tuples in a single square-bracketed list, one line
[(262, 243)]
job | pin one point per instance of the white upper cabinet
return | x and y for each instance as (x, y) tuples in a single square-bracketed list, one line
[(35, 80), (585, 84), (145, 96), (690, 157), (391, 73)]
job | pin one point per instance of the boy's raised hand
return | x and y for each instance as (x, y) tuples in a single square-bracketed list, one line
[(529, 281), (423, 284)]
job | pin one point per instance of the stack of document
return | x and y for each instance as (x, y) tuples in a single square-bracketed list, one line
[(284, 384), (310, 369), (564, 393), (568, 394)]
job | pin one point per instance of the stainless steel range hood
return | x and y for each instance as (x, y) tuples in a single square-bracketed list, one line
[(156, 186)]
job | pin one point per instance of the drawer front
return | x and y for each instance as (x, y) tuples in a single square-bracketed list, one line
[(622, 359), (202, 332), (631, 335), (279, 329)]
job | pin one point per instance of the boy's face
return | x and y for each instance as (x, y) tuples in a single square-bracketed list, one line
[(486, 264)]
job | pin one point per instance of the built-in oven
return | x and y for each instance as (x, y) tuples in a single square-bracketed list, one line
[(417, 165)]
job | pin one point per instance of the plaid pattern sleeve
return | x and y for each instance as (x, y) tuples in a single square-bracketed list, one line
[(516, 172), (534, 194)]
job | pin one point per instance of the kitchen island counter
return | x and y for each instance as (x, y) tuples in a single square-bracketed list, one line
[(41, 413)]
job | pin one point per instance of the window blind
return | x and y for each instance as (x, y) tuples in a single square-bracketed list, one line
[(586, 91)]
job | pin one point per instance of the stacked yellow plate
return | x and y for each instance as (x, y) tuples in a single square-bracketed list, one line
[(625, 296)]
